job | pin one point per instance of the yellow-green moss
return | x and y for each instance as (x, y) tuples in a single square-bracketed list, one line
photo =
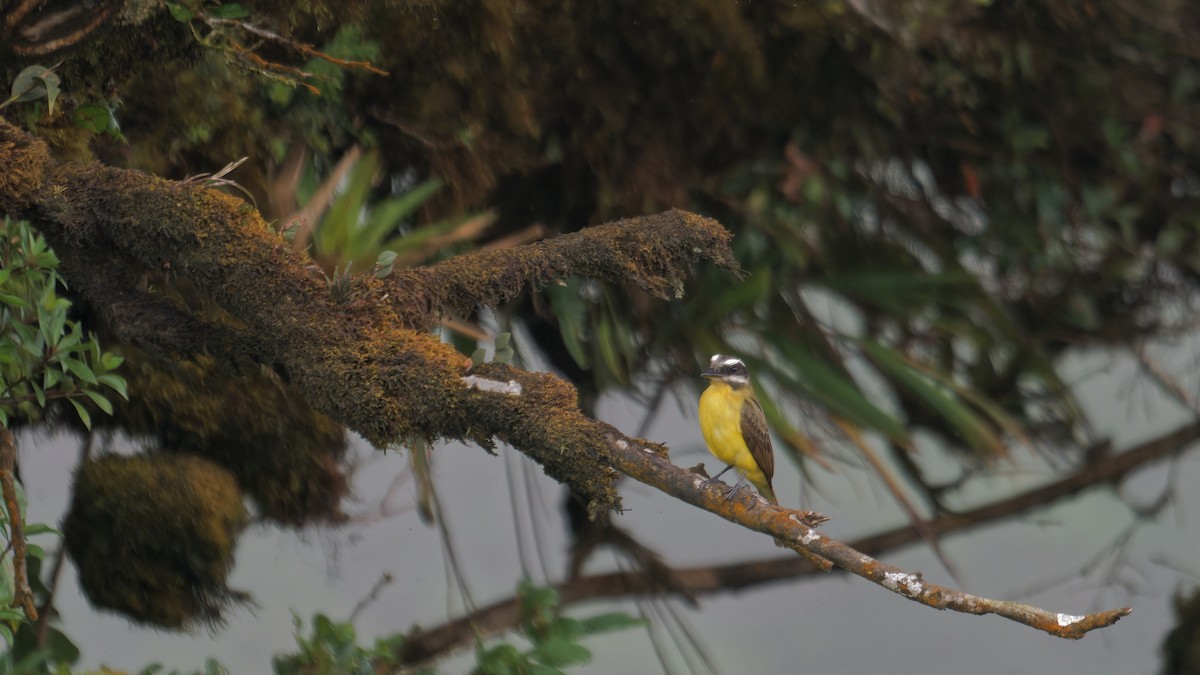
[(285, 455), (23, 161), (153, 537)]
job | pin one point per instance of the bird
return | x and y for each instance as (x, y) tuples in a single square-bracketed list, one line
[(734, 426)]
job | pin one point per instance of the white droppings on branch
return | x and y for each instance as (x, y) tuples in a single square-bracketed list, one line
[(903, 583), (808, 537), (1065, 620), (512, 387)]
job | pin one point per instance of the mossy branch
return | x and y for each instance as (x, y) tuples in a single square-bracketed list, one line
[(655, 252), (359, 357)]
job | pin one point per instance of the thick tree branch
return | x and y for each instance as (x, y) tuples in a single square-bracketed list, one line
[(358, 351), (693, 582)]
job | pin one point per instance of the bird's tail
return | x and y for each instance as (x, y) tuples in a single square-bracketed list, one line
[(764, 488)]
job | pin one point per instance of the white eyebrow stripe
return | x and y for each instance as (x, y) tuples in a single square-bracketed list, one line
[(730, 361)]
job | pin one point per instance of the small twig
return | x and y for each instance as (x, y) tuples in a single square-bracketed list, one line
[(60, 556), (694, 582), (23, 596), (1164, 379), (305, 49), (631, 457), (528, 235), (634, 458), (373, 595), (897, 492)]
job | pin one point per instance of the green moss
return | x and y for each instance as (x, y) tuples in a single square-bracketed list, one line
[(285, 455), (153, 538)]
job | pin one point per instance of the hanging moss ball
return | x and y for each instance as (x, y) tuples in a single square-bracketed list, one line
[(287, 457), (153, 537)]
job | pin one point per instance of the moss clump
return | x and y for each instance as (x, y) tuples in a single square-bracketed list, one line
[(23, 162), (1181, 649), (285, 455), (153, 538)]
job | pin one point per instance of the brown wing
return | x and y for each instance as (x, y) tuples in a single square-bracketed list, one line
[(758, 439)]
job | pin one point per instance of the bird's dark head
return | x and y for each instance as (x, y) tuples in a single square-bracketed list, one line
[(728, 369)]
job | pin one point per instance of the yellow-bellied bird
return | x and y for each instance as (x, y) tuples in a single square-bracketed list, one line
[(734, 426)]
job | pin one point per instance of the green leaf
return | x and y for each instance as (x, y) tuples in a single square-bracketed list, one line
[(111, 361), (570, 309), (40, 528), (560, 652), (83, 413), (51, 82), (974, 431), (612, 621), (8, 353), (13, 301), (100, 401), (737, 297), (566, 628), (80, 370), (8, 588), (539, 597), (230, 11), (50, 378), (391, 213), (61, 648), (833, 389), (70, 341), (116, 383), (179, 12), (605, 340), (29, 84), (904, 291), (336, 230)]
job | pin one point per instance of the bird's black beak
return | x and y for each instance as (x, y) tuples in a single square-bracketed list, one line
[(709, 373)]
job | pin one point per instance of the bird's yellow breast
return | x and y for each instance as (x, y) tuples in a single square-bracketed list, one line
[(721, 424)]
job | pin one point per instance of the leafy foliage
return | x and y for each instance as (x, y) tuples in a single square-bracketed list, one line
[(33, 83), (555, 638), (44, 354), (332, 649)]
